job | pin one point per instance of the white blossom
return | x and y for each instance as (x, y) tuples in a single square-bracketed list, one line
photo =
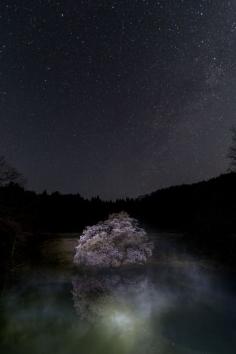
[(115, 242)]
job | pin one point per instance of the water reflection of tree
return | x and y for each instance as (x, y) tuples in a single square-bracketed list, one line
[(93, 292), (117, 307)]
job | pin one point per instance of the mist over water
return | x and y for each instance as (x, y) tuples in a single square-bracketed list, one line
[(176, 305)]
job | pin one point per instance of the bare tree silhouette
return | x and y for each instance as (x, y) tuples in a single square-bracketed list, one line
[(232, 151), (9, 174)]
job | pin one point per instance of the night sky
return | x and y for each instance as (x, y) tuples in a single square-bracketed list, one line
[(116, 98)]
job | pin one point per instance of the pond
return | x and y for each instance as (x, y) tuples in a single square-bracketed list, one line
[(176, 305)]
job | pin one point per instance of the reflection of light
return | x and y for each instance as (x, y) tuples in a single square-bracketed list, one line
[(122, 324), (122, 321)]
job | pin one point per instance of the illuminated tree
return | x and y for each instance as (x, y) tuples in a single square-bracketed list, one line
[(115, 242)]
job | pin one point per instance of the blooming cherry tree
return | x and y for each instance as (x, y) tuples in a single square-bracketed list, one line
[(115, 242)]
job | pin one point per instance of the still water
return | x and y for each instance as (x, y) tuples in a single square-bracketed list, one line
[(176, 305)]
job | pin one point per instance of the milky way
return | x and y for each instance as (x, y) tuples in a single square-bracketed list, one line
[(116, 98)]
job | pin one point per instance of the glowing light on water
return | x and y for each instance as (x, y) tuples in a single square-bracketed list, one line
[(122, 321), (123, 325), (126, 323)]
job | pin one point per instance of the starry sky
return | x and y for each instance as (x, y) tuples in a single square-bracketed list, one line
[(116, 97)]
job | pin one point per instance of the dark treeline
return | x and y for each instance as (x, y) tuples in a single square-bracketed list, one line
[(205, 211), (204, 207)]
